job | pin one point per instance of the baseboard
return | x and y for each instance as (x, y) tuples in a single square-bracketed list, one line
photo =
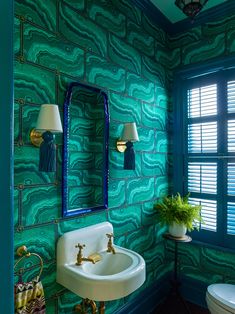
[(147, 301), (193, 291)]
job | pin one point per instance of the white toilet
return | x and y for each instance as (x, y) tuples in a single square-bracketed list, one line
[(220, 298)]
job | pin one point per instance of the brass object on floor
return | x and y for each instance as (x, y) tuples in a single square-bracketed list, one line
[(84, 306)]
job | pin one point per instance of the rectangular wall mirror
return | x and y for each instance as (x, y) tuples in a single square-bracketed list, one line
[(85, 153)]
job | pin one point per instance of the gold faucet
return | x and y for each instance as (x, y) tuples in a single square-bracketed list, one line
[(110, 248), (80, 258)]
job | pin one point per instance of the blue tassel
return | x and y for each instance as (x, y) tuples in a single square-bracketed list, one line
[(129, 157), (47, 161)]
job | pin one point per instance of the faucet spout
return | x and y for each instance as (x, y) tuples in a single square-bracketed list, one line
[(110, 248), (87, 259)]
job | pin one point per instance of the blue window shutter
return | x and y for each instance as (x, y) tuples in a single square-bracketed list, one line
[(208, 153)]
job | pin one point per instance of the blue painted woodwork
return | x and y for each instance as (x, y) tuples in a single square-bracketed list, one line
[(209, 15), (218, 71), (6, 156)]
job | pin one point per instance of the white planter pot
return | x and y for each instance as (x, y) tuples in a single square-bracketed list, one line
[(177, 231)]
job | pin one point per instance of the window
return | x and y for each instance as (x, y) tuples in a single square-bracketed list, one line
[(205, 152)]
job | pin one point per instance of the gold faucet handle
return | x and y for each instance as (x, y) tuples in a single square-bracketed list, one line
[(80, 246), (110, 235)]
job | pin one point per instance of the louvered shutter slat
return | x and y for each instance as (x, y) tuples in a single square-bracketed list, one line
[(231, 218)]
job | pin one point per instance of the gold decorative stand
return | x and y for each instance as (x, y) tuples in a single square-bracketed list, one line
[(83, 307)]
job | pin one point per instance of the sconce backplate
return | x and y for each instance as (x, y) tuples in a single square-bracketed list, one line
[(121, 146), (36, 137)]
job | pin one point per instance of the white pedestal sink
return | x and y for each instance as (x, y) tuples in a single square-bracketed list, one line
[(113, 277)]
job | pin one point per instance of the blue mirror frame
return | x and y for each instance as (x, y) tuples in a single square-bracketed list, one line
[(66, 211)]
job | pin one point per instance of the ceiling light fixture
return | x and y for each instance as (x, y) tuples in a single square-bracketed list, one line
[(190, 7)]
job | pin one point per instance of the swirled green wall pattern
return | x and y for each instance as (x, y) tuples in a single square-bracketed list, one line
[(114, 46), (202, 264)]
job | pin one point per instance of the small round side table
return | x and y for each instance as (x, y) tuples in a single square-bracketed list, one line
[(175, 282)]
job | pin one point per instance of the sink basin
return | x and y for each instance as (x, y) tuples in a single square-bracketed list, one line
[(113, 277)]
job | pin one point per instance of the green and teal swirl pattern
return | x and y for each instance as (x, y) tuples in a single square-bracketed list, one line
[(162, 186), (163, 98), (162, 142), (125, 219), (154, 71), (99, 72), (154, 117), (124, 55), (154, 164), (185, 38), (148, 214), (67, 302), (231, 41), (117, 193), (113, 46), (105, 15), (81, 126), (124, 109), (152, 29), (40, 240), (77, 5), (139, 88), (38, 12), (213, 47), (140, 190), (36, 208), (146, 140), (116, 170), (167, 59), (26, 172), (140, 39), (219, 27), (81, 31), (83, 221), (141, 240), (17, 41), (29, 116), (34, 85), (128, 9), (44, 48)]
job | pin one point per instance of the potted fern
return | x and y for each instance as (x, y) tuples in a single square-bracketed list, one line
[(178, 214)]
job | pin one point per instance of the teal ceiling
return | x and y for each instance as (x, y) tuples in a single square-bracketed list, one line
[(173, 13)]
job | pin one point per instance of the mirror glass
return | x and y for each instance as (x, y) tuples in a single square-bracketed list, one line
[(85, 153)]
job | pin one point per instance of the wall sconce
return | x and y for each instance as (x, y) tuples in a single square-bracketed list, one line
[(42, 136), (125, 144)]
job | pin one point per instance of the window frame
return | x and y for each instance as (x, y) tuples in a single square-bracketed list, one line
[(191, 76)]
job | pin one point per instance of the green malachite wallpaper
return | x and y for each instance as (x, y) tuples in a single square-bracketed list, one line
[(112, 45)]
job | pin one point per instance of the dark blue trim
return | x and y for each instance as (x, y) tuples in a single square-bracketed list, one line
[(210, 15), (217, 71), (6, 157), (148, 299), (65, 210), (193, 290), (153, 13)]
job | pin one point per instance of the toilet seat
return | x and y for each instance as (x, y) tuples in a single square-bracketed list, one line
[(223, 295)]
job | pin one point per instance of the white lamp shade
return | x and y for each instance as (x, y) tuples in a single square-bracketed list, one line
[(130, 132), (49, 119)]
